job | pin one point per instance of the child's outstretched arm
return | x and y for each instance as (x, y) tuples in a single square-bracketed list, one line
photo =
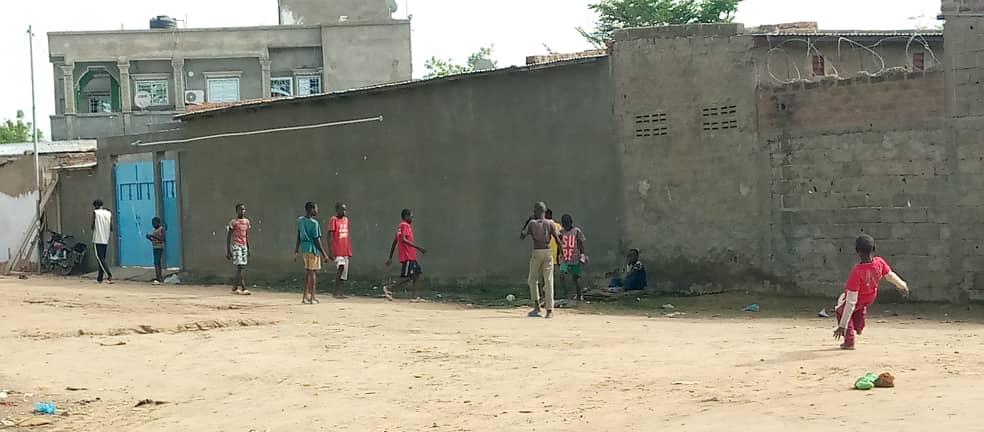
[(900, 284)]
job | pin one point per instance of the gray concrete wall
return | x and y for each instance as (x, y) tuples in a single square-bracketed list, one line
[(469, 156), (696, 196), (307, 12), (853, 156), (965, 121), (283, 61), (782, 60), (186, 43), (357, 57)]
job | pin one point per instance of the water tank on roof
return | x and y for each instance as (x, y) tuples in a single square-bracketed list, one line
[(163, 22)]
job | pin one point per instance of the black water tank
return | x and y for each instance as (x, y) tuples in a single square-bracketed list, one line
[(163, 22)]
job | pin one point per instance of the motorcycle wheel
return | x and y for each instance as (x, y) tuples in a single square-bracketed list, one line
[(68, 264), (46, 265)]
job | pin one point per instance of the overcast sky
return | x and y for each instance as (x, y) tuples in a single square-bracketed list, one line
[(443, 28)]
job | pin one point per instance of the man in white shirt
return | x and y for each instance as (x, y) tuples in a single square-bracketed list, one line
[(102, 225)]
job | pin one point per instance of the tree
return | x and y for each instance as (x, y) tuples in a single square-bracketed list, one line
[(479, 60), (16, 132), (618, 14)]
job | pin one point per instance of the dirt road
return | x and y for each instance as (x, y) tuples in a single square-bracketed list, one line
[(266, 362)]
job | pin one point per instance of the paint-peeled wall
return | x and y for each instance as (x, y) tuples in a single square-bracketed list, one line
[(17, 204)]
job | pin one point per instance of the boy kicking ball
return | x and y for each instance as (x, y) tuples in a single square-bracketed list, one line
[(861, 290)]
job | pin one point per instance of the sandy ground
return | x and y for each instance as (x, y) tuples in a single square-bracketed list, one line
[(266, 362)]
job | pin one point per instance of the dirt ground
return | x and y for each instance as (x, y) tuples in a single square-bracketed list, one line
[(268, 363)]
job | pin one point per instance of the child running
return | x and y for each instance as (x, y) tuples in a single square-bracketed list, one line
[(410, 269), (157, 242), (541, 262), (572, 255), (237, 248), (861, 290), (339, 248), (309, 243)]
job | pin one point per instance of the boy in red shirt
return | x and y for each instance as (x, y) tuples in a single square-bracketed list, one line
[(339, 248), (861, 290), (409, 268)]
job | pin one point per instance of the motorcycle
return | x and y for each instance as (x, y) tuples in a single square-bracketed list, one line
[(62, 254)]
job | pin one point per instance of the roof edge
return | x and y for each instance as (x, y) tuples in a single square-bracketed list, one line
[(388, 87)]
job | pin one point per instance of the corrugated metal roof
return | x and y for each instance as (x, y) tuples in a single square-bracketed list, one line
[(48, 147), (386, 87)]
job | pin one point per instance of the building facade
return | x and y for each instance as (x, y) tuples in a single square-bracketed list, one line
[(110, 83)]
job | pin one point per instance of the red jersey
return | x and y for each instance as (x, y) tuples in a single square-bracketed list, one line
[(338, 228), (406, 252), (864, 279)]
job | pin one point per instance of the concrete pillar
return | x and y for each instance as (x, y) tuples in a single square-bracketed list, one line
[(68, 73), (158, 185), (126, 99), (178, 65), (265, 64)]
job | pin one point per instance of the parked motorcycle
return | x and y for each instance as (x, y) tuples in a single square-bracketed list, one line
[(61, 254)]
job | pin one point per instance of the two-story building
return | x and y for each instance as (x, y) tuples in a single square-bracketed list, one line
[(110, 83)]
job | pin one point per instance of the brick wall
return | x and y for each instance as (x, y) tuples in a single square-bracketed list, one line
[(891, 100), (866, 155)]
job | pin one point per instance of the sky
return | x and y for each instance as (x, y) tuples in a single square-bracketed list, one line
[(441, 28)]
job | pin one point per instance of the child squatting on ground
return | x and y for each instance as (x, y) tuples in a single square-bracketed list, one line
[(861, 289)]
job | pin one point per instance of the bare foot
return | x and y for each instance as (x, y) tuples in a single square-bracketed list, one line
[(245, 292), (339, 296), (549, 314), (314, 301), (387, 294)]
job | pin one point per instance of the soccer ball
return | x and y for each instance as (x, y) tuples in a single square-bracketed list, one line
[(510, 298)]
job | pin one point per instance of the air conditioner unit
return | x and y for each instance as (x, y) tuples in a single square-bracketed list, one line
[(194, 97)]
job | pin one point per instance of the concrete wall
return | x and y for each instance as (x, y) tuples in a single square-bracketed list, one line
[(965, 134), (307, 12), (784, 59), (71, 47), (17, 204), (696, 195), (864, 155), (357, 57), (468, 155)]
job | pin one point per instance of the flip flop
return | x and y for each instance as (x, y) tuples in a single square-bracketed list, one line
[(245, 292), (533, 314)]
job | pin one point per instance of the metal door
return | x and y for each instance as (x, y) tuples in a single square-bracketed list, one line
[(135, 207), (169, 204)]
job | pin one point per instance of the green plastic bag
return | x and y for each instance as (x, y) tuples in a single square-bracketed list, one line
[(867, 382)]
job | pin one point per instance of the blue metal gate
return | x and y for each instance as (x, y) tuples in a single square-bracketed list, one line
[(136, 208), (172, 248), (134, 211)]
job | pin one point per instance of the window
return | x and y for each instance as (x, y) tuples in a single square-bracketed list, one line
[(281, 87), (157, 89), (819, 68), (918, 62), (223, 89), (100, 104), (308, 85)]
